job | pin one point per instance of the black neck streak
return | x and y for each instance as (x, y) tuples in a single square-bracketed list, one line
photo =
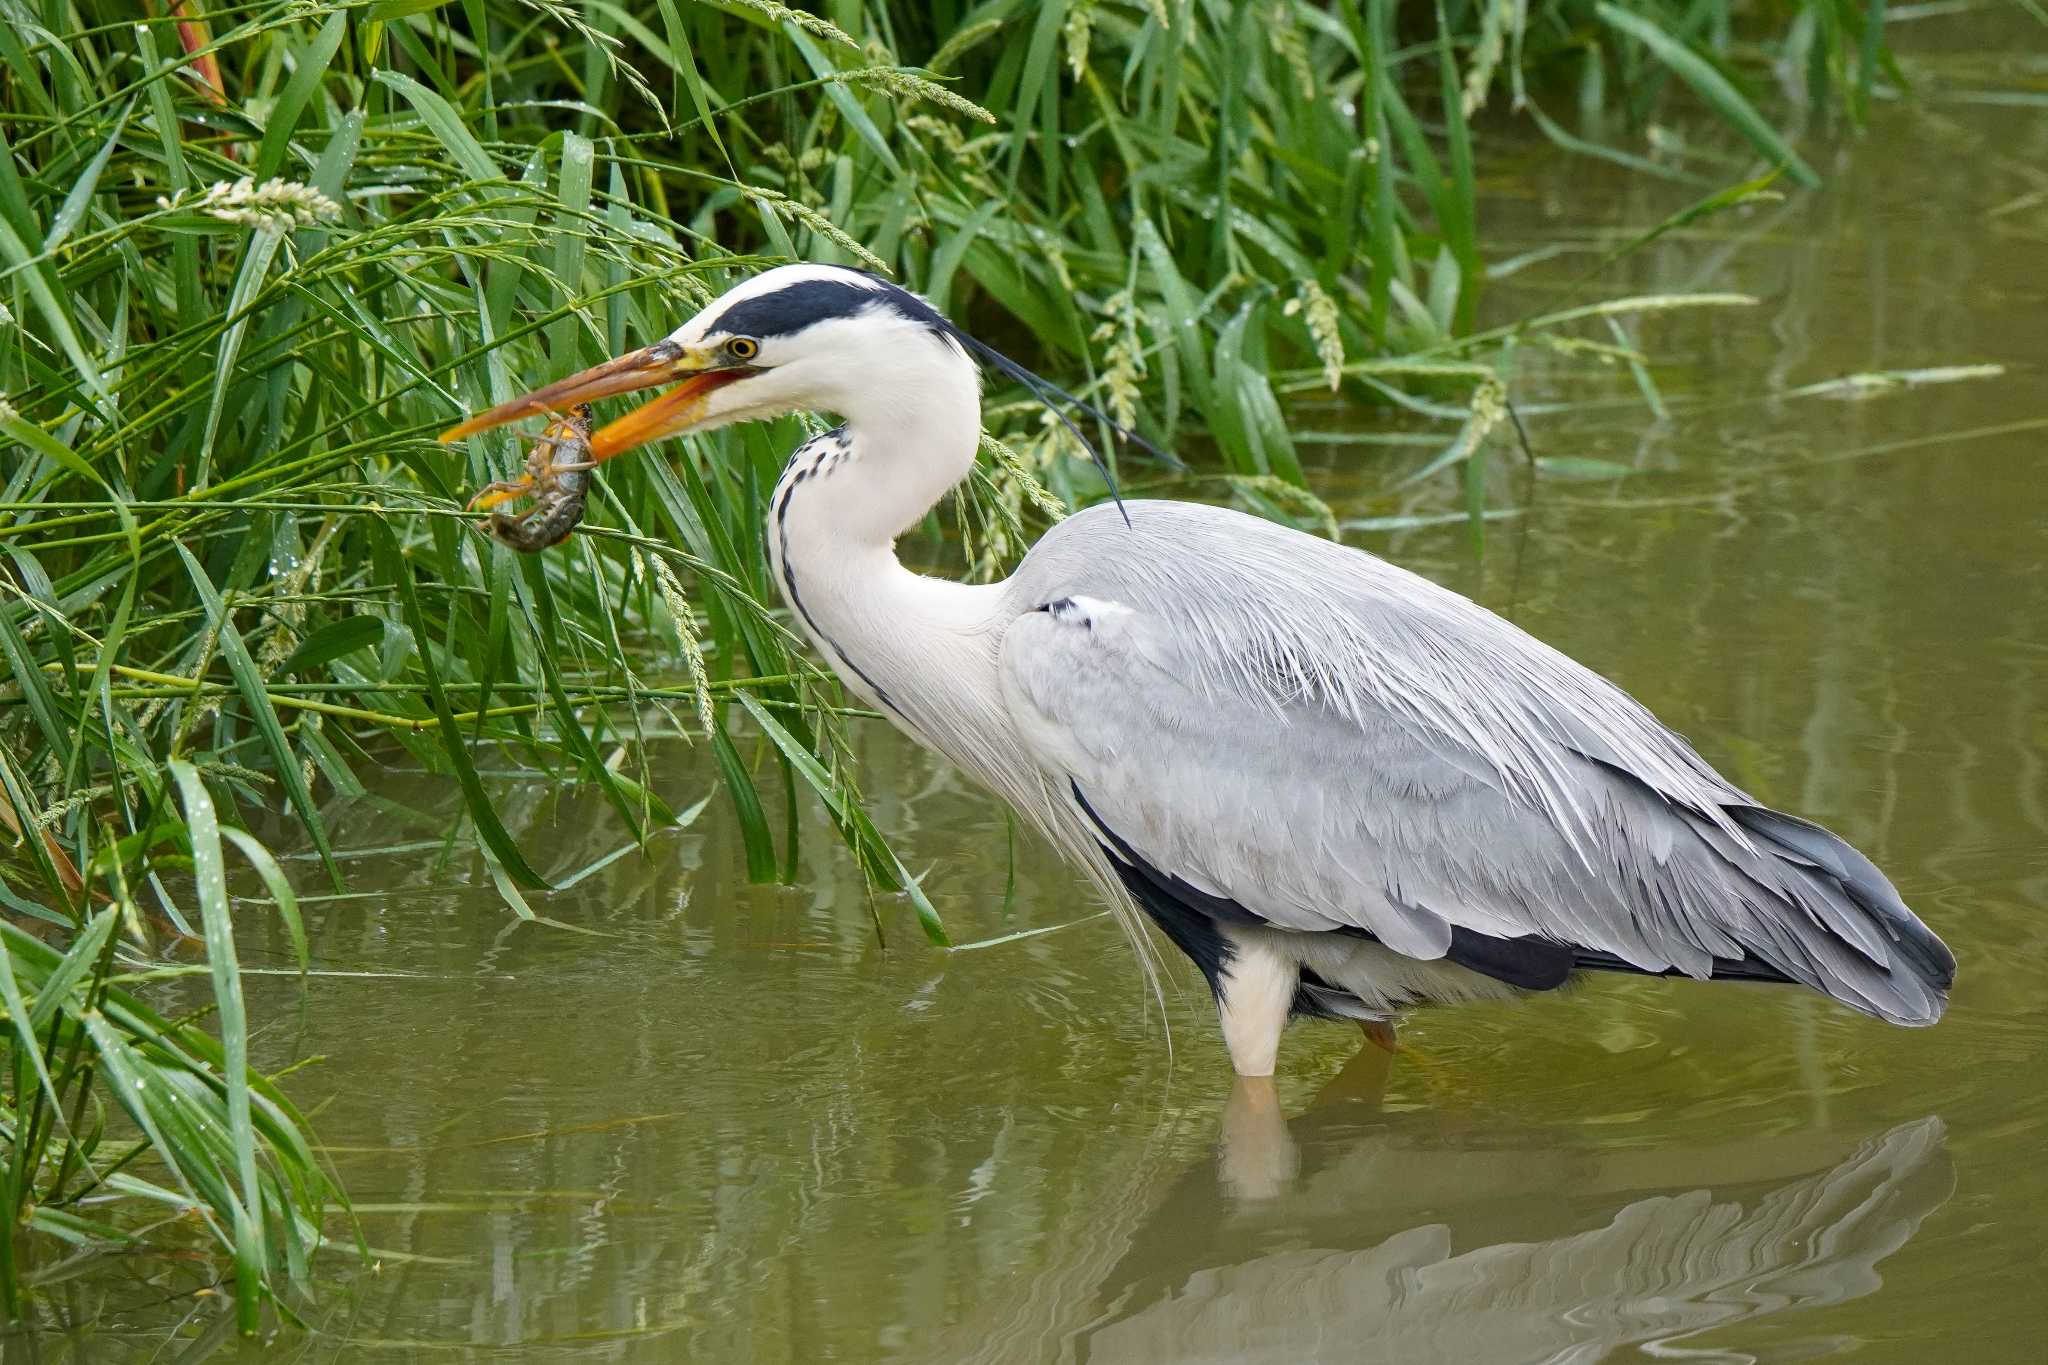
[(799, 471)]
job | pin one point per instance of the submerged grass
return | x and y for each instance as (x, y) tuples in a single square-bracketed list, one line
[(252, 256)]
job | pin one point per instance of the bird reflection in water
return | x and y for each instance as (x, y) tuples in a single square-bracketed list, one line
[(1355, 1235)]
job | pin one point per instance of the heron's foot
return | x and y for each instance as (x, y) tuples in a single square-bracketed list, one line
[(1441, 1078), (1361, 1080)]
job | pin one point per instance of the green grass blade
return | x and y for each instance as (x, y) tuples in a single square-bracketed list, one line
[(20, 798), (573, 190), (73, 967), (79, 197), (683, 66), (148, 1095), (27, 1043), (25, 433), (310, 62), (249, 682), (849, 108), (445, 124), (187, 281), (277, 884), (35, 687), (537, 602), (746, 803), (489, 827), (1733, 196), (210, 873), (1459, 207), (332, 641), (41, 282), (1713, 87), (854, 826), (255, 269)]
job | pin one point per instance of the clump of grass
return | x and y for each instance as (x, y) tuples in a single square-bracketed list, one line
[(252, 257)]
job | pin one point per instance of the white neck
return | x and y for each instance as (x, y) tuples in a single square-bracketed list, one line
[(901, 641), (913, 423), (925, 651)]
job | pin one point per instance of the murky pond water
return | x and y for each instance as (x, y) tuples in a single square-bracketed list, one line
[(724, 1124)]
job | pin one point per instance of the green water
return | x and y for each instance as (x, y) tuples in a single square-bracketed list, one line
[(726, 1124)]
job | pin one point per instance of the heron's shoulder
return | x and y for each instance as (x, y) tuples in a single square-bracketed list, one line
[(1148, 520), (1167, 549), (1251, 609)]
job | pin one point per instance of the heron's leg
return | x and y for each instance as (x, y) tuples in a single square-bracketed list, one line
[(1361, 1080), (1380, 1033), (1254, 995), (1255, 1154)]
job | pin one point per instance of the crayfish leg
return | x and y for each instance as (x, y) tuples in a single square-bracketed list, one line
[(504, 490)]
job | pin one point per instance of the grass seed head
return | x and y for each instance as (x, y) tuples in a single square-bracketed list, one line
[(1320, 315), (276, 203)]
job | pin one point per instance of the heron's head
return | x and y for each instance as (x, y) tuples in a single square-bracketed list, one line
[(795, 338)]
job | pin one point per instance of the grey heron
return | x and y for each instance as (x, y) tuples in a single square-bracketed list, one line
[(1338, 787)]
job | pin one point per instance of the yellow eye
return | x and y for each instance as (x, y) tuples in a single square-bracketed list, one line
[(743, 348)]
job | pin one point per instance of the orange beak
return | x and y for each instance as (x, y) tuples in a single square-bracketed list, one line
[(675, 411)]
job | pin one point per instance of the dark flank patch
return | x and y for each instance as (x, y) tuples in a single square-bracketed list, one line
[(1193, 933), (1193, 919), (1530, 964), (1725, 968), (1188, 915)]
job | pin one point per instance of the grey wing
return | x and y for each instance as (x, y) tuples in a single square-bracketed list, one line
[(1335, 744)]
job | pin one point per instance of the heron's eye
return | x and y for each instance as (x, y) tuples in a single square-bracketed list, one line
[(742, 348)]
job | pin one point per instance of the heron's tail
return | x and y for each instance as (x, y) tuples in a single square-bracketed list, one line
[(1840, 926), (1902, 970)]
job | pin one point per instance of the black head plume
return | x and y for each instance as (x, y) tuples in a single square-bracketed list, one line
[(1044, 390), (1052, 395)]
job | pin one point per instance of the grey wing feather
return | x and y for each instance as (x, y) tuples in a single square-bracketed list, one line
[(1334, 742)]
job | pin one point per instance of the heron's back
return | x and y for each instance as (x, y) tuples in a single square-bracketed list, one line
[(1272, 710)]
